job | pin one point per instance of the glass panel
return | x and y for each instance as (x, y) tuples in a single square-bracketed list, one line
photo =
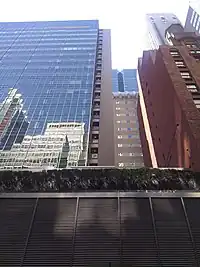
[(46, 85)]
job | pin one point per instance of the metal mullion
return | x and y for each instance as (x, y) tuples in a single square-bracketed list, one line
[(155, 233), (18, 131), (29, 232), (44, 125), (119, 221), (36, 107), (50, 157), (74, 231), (21, 75), (190, 232)]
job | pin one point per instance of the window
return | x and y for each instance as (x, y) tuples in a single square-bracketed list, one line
[(119, 136), (121, 164), (180, 63), (191, 45), (94, 156), (163, 19), (94, 150), (117, 102), (96, 113), (95, 124), (174, 53), (122, 129), (152, 19), (120, 115), (185, 75), (197, 101), (192, 17), (117, 108), (129, 154), (122, 121), (191, 86), (129, 145), (195, 19)]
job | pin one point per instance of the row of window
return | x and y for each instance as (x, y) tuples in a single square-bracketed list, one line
[(131, 164), (125, 129), (129, 145), (186, 75), (46, 40), (69, 48), (129, 136), (132, 114), (125, 154), (5, 155), (125, 108), (43, 160), (124, 102), (126, 121)]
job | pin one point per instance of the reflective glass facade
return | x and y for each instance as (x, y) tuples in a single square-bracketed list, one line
[(46, 89), (124, 81), (130, 80)]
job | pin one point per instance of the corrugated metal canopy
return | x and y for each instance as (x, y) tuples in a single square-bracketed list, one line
[(100, 229)]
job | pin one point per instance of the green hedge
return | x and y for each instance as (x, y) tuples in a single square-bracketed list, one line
[(98, 180)]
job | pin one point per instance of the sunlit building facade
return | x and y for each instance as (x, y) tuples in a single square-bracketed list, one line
[(56, 70), (169, 116), (127, 144), (156, 30)]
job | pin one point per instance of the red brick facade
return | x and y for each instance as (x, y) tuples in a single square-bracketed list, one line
[(173, 117)]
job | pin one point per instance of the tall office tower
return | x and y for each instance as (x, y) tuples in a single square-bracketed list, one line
[(128, 151), (192, 23), (169, 111), (124, 81), (62, 72), (157, 25)]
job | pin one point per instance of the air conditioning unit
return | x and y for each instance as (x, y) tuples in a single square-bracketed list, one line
[(94, 156)]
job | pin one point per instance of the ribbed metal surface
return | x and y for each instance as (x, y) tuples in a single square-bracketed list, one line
[(97, 233), (174, 241), (138, 241), (50, 241), (15, 218), (193, 211), (73, 232)]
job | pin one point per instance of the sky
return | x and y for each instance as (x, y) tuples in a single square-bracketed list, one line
[(125, 18)]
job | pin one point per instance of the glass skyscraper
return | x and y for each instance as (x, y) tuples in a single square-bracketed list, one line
[(124, 81), (47, 77)]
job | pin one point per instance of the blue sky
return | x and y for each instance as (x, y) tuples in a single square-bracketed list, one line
[(124, 17)]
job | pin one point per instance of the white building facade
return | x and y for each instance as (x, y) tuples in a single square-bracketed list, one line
[(61, 146)]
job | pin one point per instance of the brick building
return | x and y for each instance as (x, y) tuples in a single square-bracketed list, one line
[(170, 88)]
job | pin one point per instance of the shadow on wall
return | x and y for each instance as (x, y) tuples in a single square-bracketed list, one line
[(93, 232)]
